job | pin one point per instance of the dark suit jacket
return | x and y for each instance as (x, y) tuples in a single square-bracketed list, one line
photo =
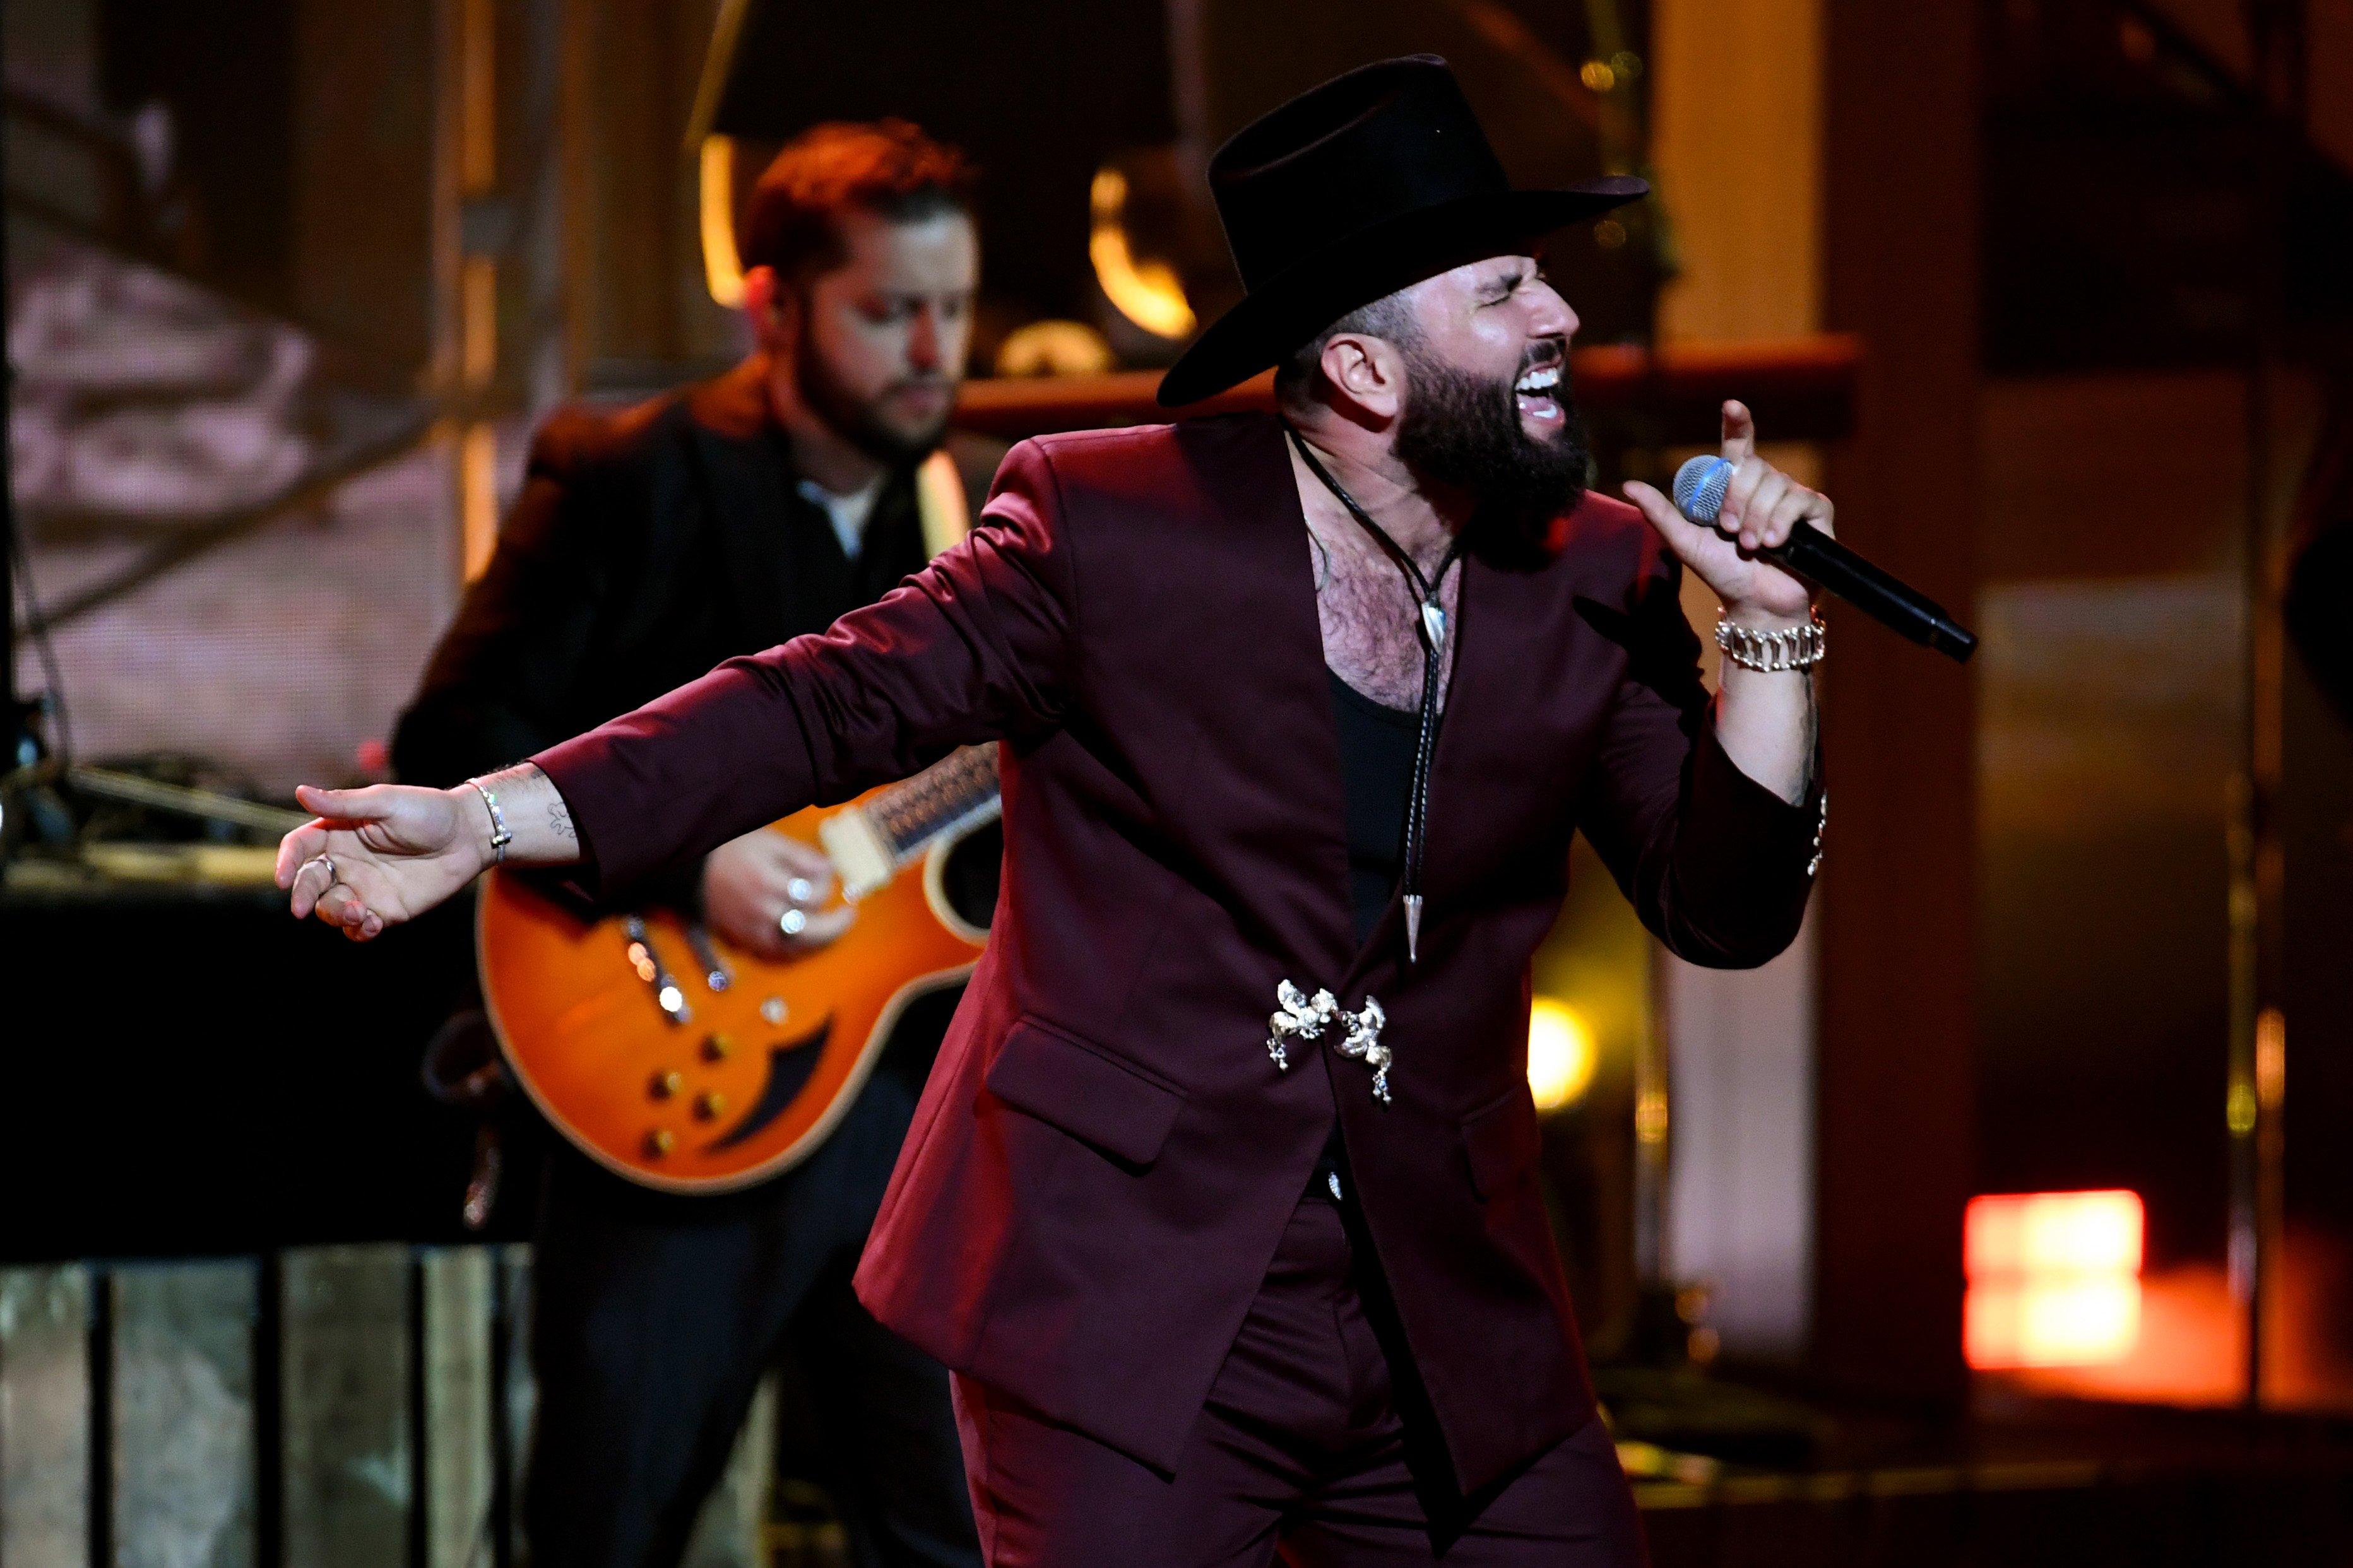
[(647, 544), (1105, 1156)]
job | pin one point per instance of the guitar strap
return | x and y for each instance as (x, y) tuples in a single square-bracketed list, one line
[(941, 504)]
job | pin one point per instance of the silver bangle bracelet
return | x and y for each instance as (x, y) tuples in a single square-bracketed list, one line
[(500, 836), (1797, 647)]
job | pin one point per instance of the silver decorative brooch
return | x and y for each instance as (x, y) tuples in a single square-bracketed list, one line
[(1303, 1017)]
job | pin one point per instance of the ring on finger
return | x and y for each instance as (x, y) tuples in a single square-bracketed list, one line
[(800, 891), (326, 861), (793, 922)]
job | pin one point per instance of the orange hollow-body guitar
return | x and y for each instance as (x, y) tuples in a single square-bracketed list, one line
[(685, 1065)]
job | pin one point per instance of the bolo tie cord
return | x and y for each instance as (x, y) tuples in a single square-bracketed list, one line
[(1429, 624)]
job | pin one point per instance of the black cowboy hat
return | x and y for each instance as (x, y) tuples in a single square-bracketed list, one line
[(1353, 190)]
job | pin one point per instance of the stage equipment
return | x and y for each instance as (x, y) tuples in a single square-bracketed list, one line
[(683, 1065), (182, 800), (1699, 486), (22, 746)]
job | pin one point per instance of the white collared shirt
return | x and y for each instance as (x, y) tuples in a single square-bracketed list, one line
[(847, 514)]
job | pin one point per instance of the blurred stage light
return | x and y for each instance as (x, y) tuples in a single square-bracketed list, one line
[(2077, 1322), (2019, 1233), (1146, 292), (2053, 1278), (1054, 348), (478, 497), (723, 267), (1561, 1053)]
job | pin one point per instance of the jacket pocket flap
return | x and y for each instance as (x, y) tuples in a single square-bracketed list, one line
[(1086, 1092), (1502, 1140)]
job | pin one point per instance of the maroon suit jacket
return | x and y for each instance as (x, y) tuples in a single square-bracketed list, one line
[(1105, 1155)]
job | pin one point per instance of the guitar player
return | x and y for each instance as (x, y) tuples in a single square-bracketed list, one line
[(645, 547)]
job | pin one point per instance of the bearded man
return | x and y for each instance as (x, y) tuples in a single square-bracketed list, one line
[(1222, 1200), (647, 545)]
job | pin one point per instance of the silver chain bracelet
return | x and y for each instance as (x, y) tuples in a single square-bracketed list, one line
[(500, 836), (1798, 647)]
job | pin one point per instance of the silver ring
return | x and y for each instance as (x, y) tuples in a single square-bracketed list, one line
[(792, 922), (800, 889), (323, 860)]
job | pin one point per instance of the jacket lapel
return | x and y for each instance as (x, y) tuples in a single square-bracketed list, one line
[(749, 490), (1272, 720)]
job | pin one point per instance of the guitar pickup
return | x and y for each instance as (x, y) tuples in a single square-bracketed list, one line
[(715, 974), (667, 996)]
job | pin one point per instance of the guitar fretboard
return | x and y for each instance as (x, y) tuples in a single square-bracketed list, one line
[(941, 799)]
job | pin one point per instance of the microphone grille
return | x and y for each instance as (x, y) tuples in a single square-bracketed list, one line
[(1700, 485)]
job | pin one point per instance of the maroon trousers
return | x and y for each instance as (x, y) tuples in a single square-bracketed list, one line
[(1302, 1450)]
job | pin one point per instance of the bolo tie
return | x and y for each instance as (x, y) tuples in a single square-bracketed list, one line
[(1429, 624)]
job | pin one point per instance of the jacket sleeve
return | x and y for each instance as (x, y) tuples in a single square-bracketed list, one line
[(976, 648), (1717, 866), (501, 678)]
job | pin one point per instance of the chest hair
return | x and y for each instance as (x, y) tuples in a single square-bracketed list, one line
[(1368, 615)]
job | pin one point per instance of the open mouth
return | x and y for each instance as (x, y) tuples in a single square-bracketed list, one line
[(1538, 394)]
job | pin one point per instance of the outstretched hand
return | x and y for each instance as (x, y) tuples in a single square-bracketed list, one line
[(379, 856), (1761, 508)]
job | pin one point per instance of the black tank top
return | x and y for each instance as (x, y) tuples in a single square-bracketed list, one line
[(1377, 744)]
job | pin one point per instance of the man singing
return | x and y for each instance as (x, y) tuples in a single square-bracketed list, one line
[(647, 546), (1221, 1200)]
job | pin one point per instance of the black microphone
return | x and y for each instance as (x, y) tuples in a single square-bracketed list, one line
[(1700, 485)]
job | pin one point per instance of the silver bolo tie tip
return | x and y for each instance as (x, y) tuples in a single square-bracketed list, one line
[(1413, 928)]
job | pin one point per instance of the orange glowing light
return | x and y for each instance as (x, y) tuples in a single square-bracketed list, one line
[(2087, 1321), (2019, 1233), (723, 267), (2053, 1278), (1561, 1053), (1148, 294)]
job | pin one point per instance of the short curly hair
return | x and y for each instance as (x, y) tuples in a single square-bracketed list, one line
[(890, 167)]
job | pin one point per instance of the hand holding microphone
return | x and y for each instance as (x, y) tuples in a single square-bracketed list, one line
[(1777, 523)]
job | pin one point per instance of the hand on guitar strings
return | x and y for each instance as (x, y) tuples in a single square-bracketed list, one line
[(767, 894)]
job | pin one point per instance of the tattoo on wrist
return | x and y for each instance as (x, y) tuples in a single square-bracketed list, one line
[(559, 821)]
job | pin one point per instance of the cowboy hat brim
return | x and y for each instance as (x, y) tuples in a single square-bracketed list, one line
[(1370, 263)]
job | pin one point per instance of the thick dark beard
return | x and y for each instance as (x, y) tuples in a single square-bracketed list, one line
[(854, 421), (1463, 433)]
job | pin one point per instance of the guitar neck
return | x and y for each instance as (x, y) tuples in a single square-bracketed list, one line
[(871, 841), (942, 799)]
